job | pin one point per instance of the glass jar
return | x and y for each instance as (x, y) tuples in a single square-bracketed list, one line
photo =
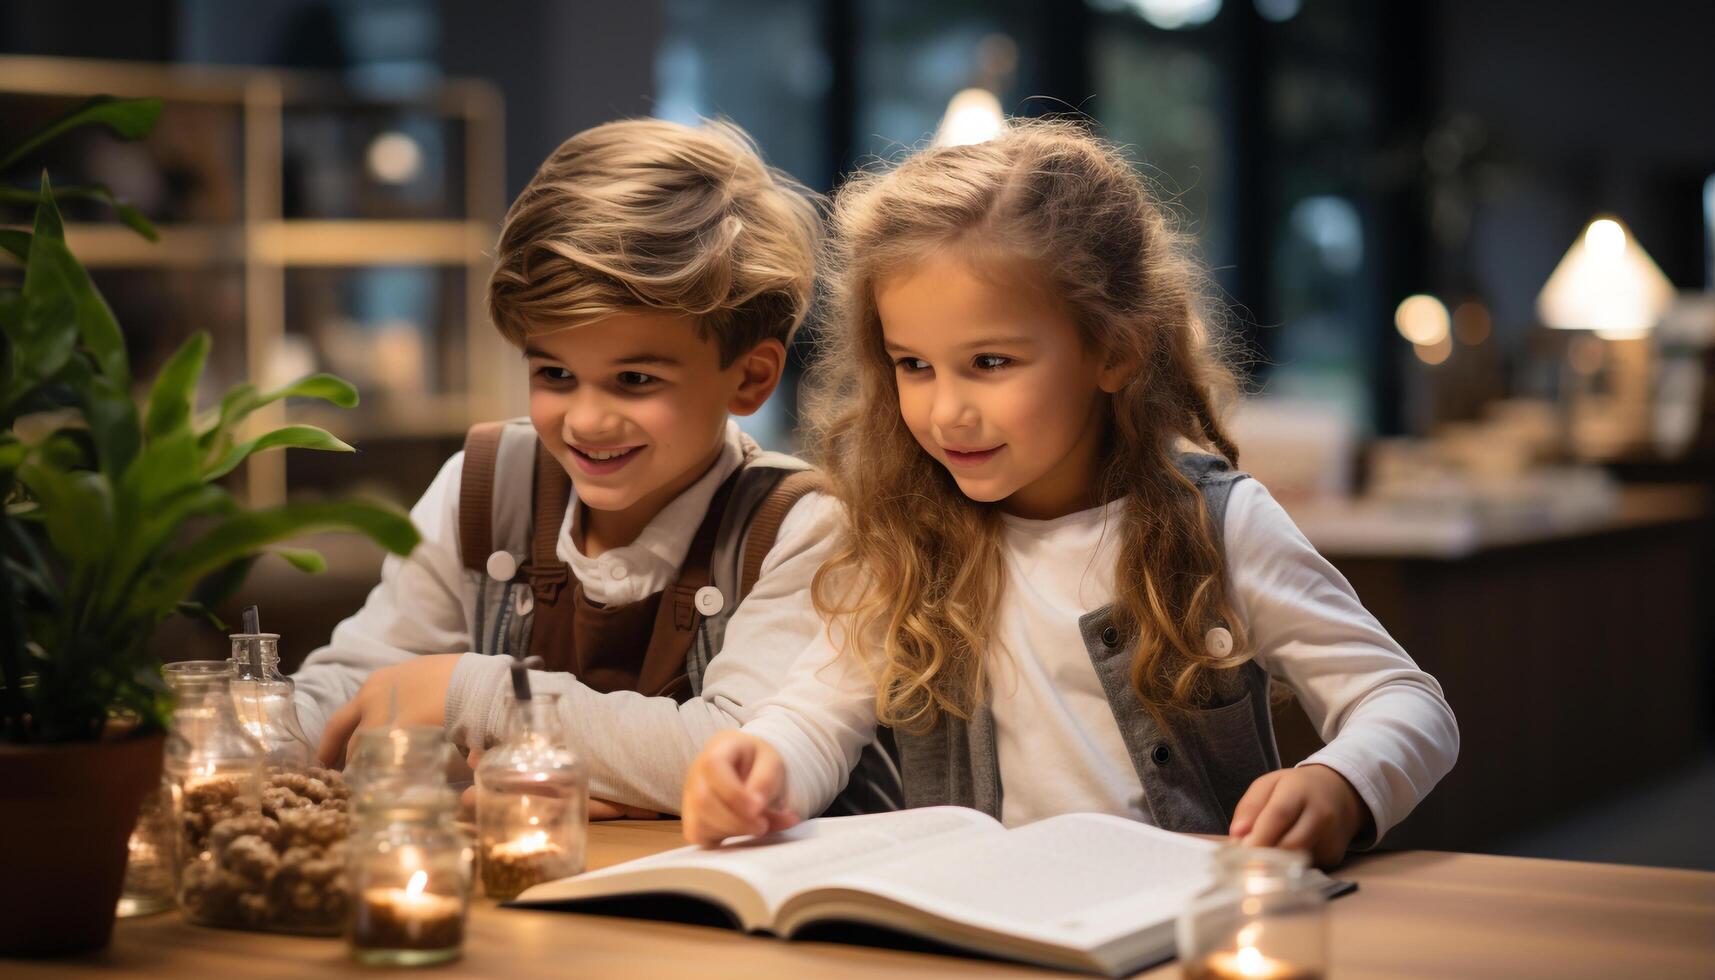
[(264, 699), (1263, 917), (532, 803), (391, 765), (410, 873), (149, 866), (257, 846)]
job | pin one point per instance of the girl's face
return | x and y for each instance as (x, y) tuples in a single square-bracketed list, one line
[(996, 383)]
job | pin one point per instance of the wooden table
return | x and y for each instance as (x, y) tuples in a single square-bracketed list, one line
[(1416, 914)]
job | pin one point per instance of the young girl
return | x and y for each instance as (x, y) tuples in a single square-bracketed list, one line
[(1049, 588)]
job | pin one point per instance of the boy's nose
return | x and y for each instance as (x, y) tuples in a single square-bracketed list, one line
[(588, 419)]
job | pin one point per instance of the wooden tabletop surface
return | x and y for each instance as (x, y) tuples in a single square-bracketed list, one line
[(1415, 914)]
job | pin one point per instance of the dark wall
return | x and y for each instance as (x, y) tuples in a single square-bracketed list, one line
[(1590, 106)]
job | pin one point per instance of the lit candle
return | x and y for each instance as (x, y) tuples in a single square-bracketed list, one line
[(408, 918), (1248, 963), (509, 867)]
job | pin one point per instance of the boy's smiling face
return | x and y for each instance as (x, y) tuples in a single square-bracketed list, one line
[(634, 406), (997, 383)]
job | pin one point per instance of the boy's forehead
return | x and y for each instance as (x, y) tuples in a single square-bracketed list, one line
[(640, 337)]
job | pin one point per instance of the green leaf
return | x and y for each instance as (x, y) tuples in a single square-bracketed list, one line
[(55, 280), (77, 509), (244, 533), (128, 118), (221, 584), (303, 559), (16, 242), (196, 610), (173, 396), (243, 399), (128, 215), (291, 436)]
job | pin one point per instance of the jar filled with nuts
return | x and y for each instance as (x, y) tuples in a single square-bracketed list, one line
[(532, 802), (257, 847)]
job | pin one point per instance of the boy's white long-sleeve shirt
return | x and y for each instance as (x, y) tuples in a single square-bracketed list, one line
[(1387, 726), (637, 748)]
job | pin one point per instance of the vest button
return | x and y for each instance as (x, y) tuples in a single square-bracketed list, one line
[(1219, 642), (1161, 754), (1110, 637), (619, 573), (502, 566), (709, 600)]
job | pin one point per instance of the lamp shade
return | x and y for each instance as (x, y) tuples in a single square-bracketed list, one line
[(1606, 282)]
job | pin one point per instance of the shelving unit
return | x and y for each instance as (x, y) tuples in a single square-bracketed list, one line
[(263, 241)]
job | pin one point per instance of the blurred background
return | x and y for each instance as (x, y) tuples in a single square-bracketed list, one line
[(1468, 245)]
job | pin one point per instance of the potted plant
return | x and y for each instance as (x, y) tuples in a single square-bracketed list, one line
[(114, 519)]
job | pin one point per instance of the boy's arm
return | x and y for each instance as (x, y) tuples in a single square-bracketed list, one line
[(639, 748), (417, 608), (1387, 725)]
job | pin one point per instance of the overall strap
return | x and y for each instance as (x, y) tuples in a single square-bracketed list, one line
[(476, 493), (664, 662), (765, 525), (552, 492)]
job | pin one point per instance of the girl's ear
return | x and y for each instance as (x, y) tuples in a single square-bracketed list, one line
[(759, 374), (1117, 370)]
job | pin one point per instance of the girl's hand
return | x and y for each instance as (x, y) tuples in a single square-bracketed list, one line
[(1309, 808), (736, 786)]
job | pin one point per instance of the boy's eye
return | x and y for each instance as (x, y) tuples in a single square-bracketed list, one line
[(991, 362), (636, 379), (557, 375), (911, 365)]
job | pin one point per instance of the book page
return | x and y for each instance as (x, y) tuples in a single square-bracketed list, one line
[(1077, 880), (779, 865)]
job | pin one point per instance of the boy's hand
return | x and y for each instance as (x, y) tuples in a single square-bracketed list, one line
[(1309, 808), (422, 685), (736, 786)]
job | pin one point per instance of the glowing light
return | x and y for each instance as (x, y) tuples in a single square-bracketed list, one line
[(418, 882), (1422, 319), (973, 116), (1278, 11), (1606, 282), (1471, 322), (1433, 354), (395, 158), (1172, 15), (1251, 962)]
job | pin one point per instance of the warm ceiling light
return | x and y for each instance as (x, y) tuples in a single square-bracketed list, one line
[(1606, 282)]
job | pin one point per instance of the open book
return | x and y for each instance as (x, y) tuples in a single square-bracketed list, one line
[(1082, 891)]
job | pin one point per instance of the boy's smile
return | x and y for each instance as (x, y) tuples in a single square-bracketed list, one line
[(634, 406), (997, 383)]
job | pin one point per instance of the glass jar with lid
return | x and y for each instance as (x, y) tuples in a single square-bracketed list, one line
[(264, 699), (1262, 917), (532, 802)]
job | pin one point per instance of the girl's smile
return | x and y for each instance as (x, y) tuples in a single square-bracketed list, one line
[(971, 457)]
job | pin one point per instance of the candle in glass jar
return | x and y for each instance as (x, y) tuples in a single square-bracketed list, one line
[(408, 918), (511, 866), (1248, 963)]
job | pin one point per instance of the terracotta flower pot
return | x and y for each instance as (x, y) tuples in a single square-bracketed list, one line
[(66, 813)]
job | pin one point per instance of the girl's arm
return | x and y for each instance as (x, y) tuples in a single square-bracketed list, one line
[(1388, 729)]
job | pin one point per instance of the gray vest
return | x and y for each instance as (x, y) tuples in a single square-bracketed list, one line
[(501, 610), (1193, 775)]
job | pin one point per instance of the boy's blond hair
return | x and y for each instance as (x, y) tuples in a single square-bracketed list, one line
[(647, 214)]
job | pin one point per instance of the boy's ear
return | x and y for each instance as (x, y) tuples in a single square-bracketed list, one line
[(759, 374)]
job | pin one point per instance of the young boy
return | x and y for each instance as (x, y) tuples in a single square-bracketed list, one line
[(653, 275)]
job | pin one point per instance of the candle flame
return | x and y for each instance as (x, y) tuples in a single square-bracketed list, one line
[(419, 881), (1250, 962)]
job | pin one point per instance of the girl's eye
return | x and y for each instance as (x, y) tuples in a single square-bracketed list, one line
[(554, 375), (912, 365), (636, 379), (991, 362)]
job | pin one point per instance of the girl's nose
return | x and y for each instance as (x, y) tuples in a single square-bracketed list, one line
[(952, 410)]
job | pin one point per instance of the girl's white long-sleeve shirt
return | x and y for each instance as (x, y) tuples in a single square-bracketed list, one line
[(1386, 725), (637, 748)]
